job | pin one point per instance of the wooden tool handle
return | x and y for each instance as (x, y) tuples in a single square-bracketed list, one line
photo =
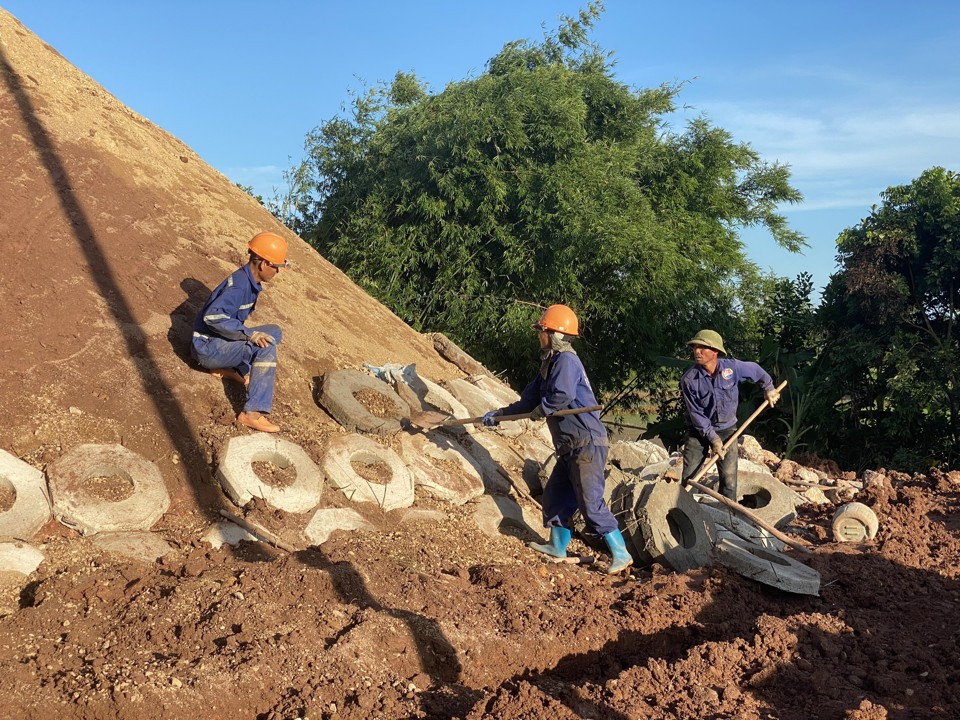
[(523, 416)]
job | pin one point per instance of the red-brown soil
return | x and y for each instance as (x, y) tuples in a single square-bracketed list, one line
[(112, 233)]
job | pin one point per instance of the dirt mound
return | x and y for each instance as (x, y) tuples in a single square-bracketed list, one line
[(114, 233)]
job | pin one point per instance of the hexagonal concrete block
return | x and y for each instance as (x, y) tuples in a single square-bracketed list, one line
[(31, 508), (668, 525), (241, 483), (768, 498), (440, 466), (338, 461), (75, 507)]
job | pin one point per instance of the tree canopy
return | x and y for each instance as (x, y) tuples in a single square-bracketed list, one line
[(891, 371), (542, 180)]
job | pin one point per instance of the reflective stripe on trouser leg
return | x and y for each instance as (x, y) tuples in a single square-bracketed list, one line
[(263, 373)]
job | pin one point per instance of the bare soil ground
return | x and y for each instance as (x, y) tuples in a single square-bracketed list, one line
[(113, 233)]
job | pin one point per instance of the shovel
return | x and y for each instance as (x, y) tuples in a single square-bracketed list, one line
[(429, 420)]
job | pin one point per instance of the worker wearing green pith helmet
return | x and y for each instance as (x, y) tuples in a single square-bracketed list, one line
[(711, 393), (577, 480)]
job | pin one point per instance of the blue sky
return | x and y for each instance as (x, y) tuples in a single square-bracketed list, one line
[(853, 96)]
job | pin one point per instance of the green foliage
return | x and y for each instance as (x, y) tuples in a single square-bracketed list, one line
[(776, 328), (890, 317), (791, 349), (542, 180), (248, 189)]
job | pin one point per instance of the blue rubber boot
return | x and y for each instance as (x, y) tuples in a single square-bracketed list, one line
[(618, 548), (557, 547)]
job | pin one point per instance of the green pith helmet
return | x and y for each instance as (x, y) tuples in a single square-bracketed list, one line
[(710, 339)]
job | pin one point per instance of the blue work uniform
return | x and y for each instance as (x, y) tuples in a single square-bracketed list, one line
[(221, 340), (577, 480), (711, 410)]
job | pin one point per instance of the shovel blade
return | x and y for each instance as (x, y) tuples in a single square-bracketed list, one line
[(428, 420)]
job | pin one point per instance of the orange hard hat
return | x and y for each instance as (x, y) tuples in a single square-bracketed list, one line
[(559, 318), (269, 246)]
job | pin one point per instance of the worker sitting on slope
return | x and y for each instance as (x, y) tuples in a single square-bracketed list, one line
[(229, 349)]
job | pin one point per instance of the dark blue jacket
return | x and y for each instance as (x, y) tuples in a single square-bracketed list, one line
[(229, 305), (566, 386), (711, 401)]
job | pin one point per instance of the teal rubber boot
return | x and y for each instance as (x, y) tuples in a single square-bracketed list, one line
[(618, 548), (557, 547)]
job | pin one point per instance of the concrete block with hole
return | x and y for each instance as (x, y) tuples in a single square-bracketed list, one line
[(396, 490), (663, 523), (440, 466), (729, 519), (30, 509), (75, 476), (768, 498), (339, 396), (241, 483)]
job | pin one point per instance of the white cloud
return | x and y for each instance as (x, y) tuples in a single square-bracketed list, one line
[(842, 154)]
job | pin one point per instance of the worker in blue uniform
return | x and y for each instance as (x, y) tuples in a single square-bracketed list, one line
[(711, 394), (228, 348), (577, 480)]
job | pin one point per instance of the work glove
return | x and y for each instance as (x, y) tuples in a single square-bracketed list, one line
[(490, 419), (537, 413), (772, 395), (261, 339), (717, 447)]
